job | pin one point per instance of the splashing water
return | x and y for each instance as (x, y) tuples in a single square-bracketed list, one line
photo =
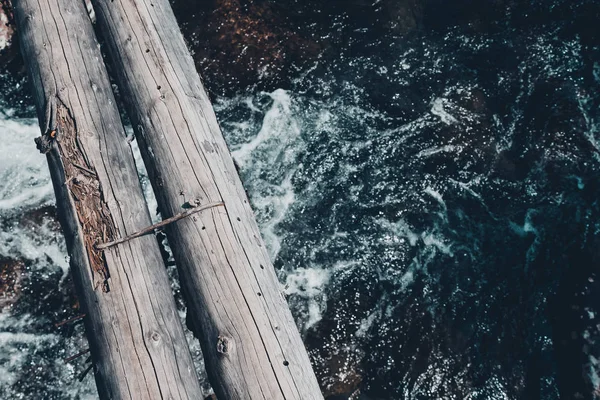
[(430, 204), (32, 349)]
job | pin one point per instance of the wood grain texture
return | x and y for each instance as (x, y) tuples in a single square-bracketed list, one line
[(136, 339), (251, 345)]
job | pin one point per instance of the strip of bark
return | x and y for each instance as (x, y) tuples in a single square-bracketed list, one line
[(94, 216)]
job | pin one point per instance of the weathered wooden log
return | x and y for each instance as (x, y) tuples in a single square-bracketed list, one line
[(136, 338), (251, 345)]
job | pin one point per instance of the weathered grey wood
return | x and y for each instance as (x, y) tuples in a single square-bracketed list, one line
[(136, 339), (251, 345)]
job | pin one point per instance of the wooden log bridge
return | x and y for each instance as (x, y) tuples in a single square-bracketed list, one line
[(251, 345)]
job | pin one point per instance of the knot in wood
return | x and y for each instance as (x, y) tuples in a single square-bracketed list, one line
[(208, 146), (155, 337), (224, 345)]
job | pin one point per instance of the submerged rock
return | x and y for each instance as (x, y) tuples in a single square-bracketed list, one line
[(241, 43), (10, 280), (236, 43), (6, 26)]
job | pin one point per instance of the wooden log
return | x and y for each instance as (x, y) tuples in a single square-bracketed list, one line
[(251, 345), (136, 339)]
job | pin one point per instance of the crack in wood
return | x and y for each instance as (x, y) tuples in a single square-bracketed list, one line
[(92, 210)]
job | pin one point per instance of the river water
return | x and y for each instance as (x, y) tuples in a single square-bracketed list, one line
[(430, 200)]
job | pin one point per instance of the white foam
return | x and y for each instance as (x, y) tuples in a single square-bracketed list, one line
[(441, 149), (24, 177), (432, 240), (12, 358), (438, 109), (466, 186), (367, 323), (277, 142), (278, 131), (436, 195), (429, 242), (309, 283), (528, 228), (280, 203), (41, 243), (143, 175), (594, 371), (586, 105), (400, 230), (25, 186), (21, 346)]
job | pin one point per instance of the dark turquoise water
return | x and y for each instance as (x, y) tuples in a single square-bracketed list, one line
[(428, 190)]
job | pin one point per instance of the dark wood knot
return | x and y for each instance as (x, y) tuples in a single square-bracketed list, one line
[(224, 345)]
